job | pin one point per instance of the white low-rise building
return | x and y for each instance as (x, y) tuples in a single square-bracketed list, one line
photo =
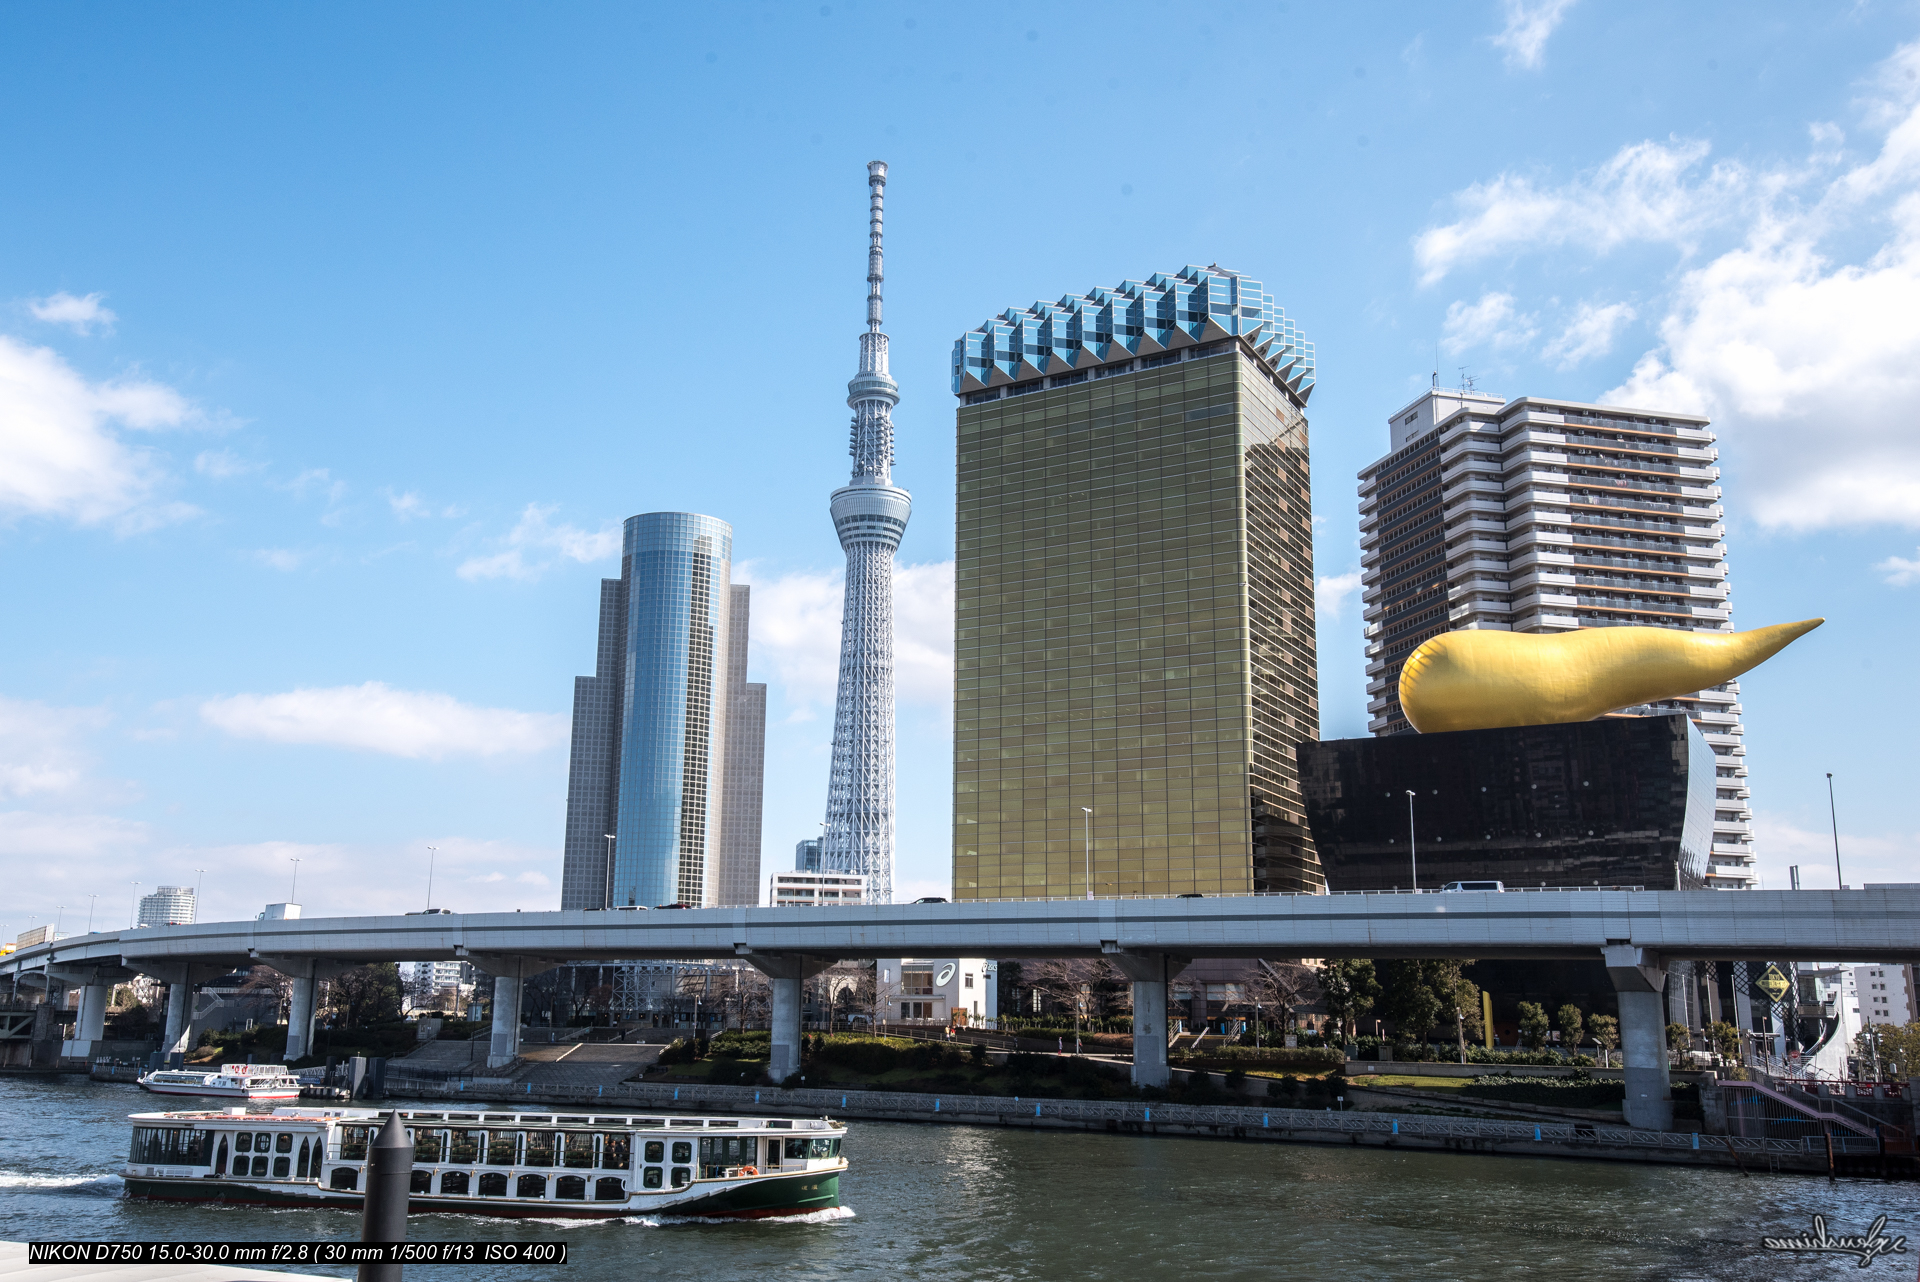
[(1884, 994), (938, 990), (815, 889)]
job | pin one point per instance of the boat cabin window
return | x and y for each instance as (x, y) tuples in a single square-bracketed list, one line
[(531, 1186), (171, 1146), (344, 1177), (609, 1188), (720, 1153), (466, 1146), (262, 1142), (353, 1143), (570, 1188), (616, 1151), (283, 1143), (539, 1149), (422, 1182), (502, 1147), (652, 1177), (427, 1146), (683, 1150), (243, 1142), (681, 1175), (220, 1158), (577, 1150), (656, 1151), (493, 1184), (454, 1183)]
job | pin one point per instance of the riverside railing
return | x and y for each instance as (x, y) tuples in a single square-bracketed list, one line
[(1131, 1114)]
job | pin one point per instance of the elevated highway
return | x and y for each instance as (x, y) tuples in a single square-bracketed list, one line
[(1636, 933)]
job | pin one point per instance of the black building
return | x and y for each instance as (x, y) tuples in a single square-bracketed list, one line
[(1617, 801)]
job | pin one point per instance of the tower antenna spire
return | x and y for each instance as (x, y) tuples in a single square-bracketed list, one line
[(876, 214)]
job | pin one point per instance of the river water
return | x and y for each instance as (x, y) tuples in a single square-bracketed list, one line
[(965, 1202)]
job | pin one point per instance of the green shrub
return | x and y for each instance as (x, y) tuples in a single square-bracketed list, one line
[(861, 1055)]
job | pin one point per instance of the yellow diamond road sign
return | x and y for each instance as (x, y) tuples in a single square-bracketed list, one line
[(1773, 983)]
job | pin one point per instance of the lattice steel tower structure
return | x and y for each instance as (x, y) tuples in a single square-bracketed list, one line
[(869, 515)]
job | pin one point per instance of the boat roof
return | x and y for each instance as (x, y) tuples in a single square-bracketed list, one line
[(484, 1119)]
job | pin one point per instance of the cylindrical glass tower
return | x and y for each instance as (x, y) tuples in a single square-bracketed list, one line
[(677, 566)]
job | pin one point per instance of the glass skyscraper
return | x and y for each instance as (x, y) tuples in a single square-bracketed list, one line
[(646, 795), (1134, 612)]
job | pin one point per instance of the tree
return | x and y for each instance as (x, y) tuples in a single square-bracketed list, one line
[(1678, 1038), (1348, 989), (1894, 1047), (1572, 1025), (1606, 1031), (1067, 980), (1278, 987), (365, 995), (1534, 1025), (1407, 997)]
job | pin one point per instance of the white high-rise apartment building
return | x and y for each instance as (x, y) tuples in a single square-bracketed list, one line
[(1884, 994), (169, 905), (1538, 515)]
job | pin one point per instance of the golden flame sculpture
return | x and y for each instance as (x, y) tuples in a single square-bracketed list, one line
[(1482, 679)]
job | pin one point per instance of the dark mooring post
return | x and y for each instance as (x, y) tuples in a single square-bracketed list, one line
[(389, 1180)]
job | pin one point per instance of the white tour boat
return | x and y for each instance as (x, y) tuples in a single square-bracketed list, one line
[(229, 1081), (509, 1164)]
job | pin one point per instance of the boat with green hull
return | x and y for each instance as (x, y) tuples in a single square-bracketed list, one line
[(500, 1164)]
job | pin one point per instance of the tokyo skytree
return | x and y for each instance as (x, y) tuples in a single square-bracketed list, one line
[(869, 515)]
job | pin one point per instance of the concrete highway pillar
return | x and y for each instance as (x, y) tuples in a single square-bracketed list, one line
[(300, 1016), (1638, 978), (785, 973), (179, 1018), (90, 1024), (505, 1046), (1150, 973)]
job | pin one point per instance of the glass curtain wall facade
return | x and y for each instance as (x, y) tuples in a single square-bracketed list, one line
[(1134, 626), (648, 769), (673, 728)]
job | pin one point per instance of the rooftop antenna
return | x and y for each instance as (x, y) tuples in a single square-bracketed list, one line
[(1466, 380), (1436, 364)]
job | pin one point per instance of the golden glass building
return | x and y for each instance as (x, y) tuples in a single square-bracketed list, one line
[(1134, 614)]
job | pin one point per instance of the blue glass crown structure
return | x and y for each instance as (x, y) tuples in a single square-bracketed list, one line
[(1133, 319)]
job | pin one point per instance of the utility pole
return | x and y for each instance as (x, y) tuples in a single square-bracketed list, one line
[(1834, 815), (1412, 850)]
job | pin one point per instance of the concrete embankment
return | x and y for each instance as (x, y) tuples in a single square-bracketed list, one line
[(1249, 1123)]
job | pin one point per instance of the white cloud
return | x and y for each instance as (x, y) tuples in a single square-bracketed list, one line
[(377, 718), (1900, 571), (58, 455), (1330, 593), (1646, 192), (796, 633), (1529, 23), (1490, 322), (222, 464), (534, 546), (283, 559), (1863, 857), (80, 314), (1589, 334), (1807, 359), (39, 752)]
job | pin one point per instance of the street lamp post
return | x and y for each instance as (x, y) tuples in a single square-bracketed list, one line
[(1834, 815), (90, 899), (200, 878), (1413, 851), (133, 907), (433, 853), (1088, 811), (293, 890)]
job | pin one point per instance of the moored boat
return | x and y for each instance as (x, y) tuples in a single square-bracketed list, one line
[(507, 1164), (229, 1081)]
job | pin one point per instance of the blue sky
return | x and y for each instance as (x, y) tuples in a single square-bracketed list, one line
[(336, 340)]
